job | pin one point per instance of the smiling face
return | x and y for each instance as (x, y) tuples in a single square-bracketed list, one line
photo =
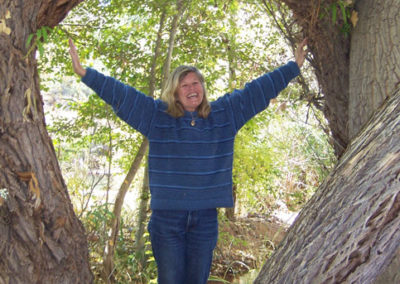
[(190, 92)]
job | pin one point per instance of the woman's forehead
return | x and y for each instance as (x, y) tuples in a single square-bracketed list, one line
[(190, 76)]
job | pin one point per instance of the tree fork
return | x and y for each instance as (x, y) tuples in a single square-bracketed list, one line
[(328, 45)]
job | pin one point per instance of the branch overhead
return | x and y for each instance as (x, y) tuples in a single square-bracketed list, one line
[(52, 12)]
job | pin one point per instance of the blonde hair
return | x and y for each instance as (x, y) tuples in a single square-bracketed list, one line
[(170, 92)]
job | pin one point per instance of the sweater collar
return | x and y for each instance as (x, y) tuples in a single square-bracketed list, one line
[(191, 114)]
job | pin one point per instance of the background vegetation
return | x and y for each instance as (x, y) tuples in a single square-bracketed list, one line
[(281, 156)]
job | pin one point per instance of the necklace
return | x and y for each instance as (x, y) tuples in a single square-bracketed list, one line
[(193, 122)]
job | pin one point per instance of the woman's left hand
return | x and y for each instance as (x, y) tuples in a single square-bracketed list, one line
[(301, 52)]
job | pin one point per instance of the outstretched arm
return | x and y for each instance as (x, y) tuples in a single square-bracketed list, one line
[(128, 103), (76, 63)]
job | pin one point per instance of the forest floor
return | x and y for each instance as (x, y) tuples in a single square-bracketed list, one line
[(244, 245)]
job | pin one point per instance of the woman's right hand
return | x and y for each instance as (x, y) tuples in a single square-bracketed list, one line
[(76, 63)]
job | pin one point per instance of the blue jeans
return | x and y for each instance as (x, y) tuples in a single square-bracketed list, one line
[(183, 244)]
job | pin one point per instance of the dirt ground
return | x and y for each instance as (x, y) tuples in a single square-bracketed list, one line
[(244, 245)]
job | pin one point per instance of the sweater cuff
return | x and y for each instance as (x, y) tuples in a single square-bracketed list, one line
[(294, 68), (89, 76)]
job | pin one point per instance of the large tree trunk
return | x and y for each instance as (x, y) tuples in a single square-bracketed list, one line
[(330, 59), (374, 60), (355, 80), (41, 239), (349, 231)]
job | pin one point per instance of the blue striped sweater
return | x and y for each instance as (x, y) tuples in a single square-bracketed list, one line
[(190, 167)]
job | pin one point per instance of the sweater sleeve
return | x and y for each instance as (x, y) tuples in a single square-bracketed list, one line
[(256, 95), (129, 104)]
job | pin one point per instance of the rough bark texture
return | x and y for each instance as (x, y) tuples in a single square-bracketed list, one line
[(374, 61), (41, 239), (330, 59), (349, 232)]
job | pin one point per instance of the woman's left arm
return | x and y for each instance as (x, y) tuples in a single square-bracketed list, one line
[(256, 95)]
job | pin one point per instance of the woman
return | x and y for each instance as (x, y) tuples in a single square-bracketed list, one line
[(190, 156)]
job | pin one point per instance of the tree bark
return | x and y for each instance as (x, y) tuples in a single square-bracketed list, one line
[(229, 41), (41, 239), (180, 7), (375, 50), (230, 212), (330, 58), (139, 246), (356, 75), (349, 231)]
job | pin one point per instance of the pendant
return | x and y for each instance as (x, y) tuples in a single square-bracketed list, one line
[(193, 123)]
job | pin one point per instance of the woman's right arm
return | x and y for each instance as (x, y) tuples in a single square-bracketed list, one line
[(129, 104)]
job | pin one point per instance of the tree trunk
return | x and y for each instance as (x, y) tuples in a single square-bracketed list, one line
[(355, 75), (180, 7), (330, 58), (349, 231), (230, 212), (229, 41), (141, 220), (108, 262), (41, 239), (375, 54)]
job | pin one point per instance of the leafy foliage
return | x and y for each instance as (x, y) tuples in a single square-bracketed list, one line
[(341, 13), (39, 39)]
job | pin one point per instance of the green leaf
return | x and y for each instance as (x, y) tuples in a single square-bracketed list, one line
[(343, 9), (39, 34), (40, 48), (28, 41), (45, 35), (334, 13)]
